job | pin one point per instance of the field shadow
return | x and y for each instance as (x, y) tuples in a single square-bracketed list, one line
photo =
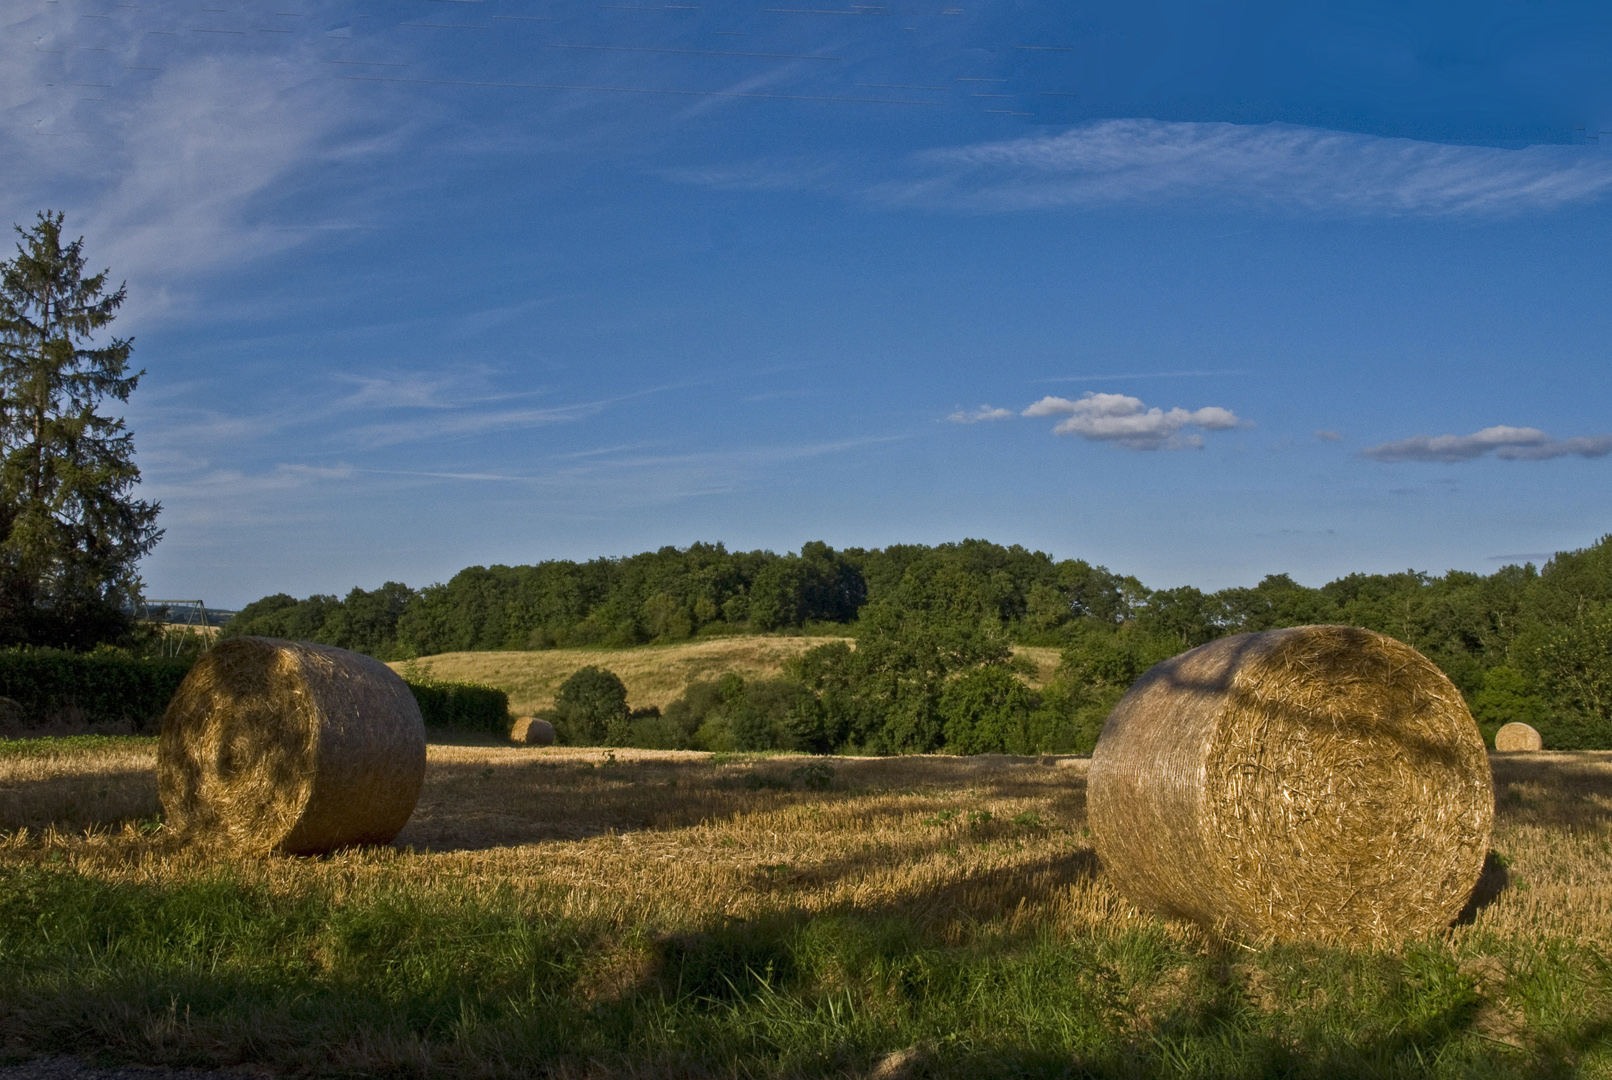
[(713, 962), (470, 806), (79, 800), (1569, 788), (976, 895), (439, 736)]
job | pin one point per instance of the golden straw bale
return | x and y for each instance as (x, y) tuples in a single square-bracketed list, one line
[(1517, 736), (532, 731), (1320, 782), (291, 747)]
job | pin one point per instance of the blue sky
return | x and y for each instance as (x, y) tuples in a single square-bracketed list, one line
[(1197, 291)]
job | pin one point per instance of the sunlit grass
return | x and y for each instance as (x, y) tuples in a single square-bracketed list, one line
[(592, 913)]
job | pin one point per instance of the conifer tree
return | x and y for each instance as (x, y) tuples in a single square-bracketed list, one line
[(71, 529)]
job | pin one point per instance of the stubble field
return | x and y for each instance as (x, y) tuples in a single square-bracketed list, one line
[(582, 913)]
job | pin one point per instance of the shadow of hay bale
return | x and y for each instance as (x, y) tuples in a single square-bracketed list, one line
[(515, 796), (1569, 788), (1491, 883)]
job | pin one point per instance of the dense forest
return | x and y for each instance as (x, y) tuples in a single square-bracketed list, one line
[(934, 627)]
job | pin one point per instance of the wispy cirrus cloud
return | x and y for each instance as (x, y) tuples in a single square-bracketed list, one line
[(1276, 166), (1128, 422), (174, 149), (466, 423), (1148, 162), (1512, 443)]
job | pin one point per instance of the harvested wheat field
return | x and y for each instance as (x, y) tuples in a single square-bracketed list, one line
[(654, 674), (587, 913)]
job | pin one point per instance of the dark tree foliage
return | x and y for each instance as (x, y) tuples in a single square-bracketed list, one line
[(71, 530), (989, 710), (734, 713), (934, 623), (591, 708), (818, 586)]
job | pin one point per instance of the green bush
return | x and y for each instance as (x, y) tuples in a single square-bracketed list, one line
[(105, 688), (732, 713), (592, 708), (987, 710), (462, 706), (649, 730)]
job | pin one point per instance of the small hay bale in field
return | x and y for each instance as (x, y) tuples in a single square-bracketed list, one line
[(1517, 736), (532, 731), (1320, 782), (291, 747)]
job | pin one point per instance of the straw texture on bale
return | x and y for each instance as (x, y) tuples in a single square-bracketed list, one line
[(1517, 736), (1319, 782), (290, 747), (532, 731)]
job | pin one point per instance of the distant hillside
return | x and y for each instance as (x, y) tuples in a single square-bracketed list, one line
[(654, 674)]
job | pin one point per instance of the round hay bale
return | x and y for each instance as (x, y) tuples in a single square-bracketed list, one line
[(1517, 736), (1320, 782), (290, 747), (532, 730)]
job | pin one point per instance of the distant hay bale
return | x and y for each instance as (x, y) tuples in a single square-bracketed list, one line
[(1517, 736), (532, 731), (1320, 782), (291, 747)]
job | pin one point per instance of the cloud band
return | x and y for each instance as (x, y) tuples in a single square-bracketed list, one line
[(1512, 443)]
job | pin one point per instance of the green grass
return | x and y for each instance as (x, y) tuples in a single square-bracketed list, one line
[(385, 981), (578, 913), (66, 745)]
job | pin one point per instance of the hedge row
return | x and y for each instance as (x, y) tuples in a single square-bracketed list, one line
[(49, 688), (465, 706)]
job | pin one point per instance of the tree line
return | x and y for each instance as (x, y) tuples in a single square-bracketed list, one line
[(935, 627)]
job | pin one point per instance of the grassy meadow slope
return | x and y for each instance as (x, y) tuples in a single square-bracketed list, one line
[(582, 913), (654, 674)]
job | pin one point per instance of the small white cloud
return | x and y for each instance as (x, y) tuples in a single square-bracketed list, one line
[(984, 412), (1126, 421), (1512, 443), (1328, 435)]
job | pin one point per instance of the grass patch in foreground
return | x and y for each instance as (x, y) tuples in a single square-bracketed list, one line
[(583, 914), (61, 745), (385, 980)]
